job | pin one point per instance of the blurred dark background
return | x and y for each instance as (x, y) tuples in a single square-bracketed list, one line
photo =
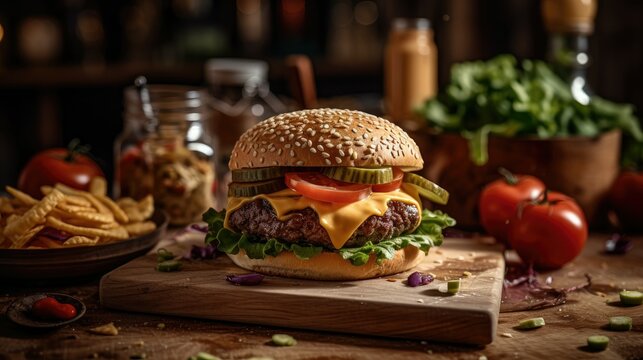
[(64, 63)]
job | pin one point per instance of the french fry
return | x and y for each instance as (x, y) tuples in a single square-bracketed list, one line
[(137, 229), (32, 217), (90, 217), (20, 240), (69, 198), (98, 186), (126, 202), (70, 208), (25, 199), (146, 206), (5, 206), (85, 195), (116, 233), (119, 214), (134, 214), (80, 241)]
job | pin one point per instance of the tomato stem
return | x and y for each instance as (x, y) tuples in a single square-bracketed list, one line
[(75, 148), (510, 178)]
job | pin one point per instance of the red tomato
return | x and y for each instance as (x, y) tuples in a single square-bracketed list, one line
[(626, 198), (398, 176), (57, 166), (548, 232), (49, 308), (322, 188), (499, 201)]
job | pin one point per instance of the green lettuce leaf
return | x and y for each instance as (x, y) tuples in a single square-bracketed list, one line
[(428, 234)]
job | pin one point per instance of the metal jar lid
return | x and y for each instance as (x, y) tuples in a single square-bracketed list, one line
[(235, 71)]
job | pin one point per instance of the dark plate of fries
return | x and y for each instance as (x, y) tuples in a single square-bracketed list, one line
[(78, 261), (71, 233)]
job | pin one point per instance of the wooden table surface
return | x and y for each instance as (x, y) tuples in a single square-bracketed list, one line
[(159, 337)]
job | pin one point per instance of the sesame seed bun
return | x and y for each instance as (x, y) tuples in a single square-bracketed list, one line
[(329, 265), (325, 137)]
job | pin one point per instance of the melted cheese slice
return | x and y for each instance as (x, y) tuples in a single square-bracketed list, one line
[(339, 220)]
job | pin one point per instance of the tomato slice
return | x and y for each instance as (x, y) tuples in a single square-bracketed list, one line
[(398, 176), (319, 187)]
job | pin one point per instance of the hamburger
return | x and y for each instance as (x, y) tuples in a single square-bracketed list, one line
[(327, 194)]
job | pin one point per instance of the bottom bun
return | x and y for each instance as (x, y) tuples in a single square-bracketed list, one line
[(329, 265)]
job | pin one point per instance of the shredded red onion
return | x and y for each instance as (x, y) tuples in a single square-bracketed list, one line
[(54, 234), (618, 244), (200, 228), (245, 279), (201, 252), (417, 279)]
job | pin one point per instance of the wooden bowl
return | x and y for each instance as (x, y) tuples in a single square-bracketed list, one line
[(583, 168), (77, 262)]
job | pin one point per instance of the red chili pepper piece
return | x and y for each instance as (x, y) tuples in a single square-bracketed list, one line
[(50, 309)]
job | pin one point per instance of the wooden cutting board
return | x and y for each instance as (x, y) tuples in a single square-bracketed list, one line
[(382, 306)]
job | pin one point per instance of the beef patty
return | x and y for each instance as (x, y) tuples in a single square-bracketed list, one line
[(258, 218)]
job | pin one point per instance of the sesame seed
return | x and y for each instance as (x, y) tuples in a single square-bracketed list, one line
[(281, 138), (287, 146), (300, 163), (325, 155), (297, 143), (261, 159), (359, 143), (279, 151), (338, 160), (320, 148), (365, 136), (341, 152), (348, 143), (310, 143), (254, 153), (330, 145), (292, 153), (313, 150), (275, 163), (327, 162), (354, 156), (263, 150)]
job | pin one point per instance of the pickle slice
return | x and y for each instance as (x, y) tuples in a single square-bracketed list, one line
[(237, 189), (357, 175), (427, 188), (258, 174)]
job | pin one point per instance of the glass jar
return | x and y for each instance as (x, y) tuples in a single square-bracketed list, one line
[(411, 70), (241, 98), (171, 158)]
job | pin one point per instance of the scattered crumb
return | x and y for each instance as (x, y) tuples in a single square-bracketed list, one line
[(466, 273), (107, 329), (507, 335), (560, 310), (482, 357), (160, 325), (461, 258), (391, 280), (438, 261), (420, 301)]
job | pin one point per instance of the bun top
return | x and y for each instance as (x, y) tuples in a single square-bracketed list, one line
[(325, 137)]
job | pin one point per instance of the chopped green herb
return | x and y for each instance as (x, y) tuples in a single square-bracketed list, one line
[(532, 323), (204, 356), (169, 266), (453, 286), (163, 254), (283, 340), (620, 323), (598, 342), (631, 298)]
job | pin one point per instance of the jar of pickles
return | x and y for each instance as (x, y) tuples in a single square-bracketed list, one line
[(171, 155)]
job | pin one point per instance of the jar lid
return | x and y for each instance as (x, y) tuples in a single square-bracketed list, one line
[(235, 71), (411, 24)]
